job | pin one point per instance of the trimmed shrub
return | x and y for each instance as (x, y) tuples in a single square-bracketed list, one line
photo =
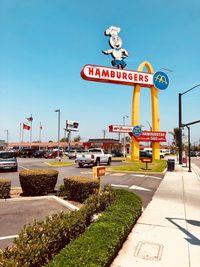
[(79, 188), (5, 186), (61, 192), (100, 243), (38, 182), (40, 242)]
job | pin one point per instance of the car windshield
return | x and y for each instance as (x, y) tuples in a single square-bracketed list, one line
[(95, 150), (7, 155)]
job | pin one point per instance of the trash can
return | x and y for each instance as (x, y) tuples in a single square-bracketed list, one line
[(171, 165)]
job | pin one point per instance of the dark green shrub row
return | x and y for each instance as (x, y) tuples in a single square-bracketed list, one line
[(79, 188), (5, 186), (100, 243), (38, 182), (38, 243)]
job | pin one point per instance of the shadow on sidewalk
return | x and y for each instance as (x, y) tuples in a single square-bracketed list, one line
[(191, 238)]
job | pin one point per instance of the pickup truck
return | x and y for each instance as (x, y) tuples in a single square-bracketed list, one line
[(94, 156)]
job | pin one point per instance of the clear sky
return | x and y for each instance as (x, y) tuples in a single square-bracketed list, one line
[(44, 45)]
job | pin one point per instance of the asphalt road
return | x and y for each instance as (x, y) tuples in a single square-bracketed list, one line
[(144, 185), (13, 215)]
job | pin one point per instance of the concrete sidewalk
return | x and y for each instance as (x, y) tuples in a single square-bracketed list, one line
[(168, 232)]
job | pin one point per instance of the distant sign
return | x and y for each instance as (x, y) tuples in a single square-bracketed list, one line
[(160, 80), (120, 129), (151, 136), (140, 136), (137, 131)]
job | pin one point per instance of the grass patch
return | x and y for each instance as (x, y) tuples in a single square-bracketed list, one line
[(59, 164), (137, 166)]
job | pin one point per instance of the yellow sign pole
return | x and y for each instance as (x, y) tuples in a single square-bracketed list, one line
[(155, 115)]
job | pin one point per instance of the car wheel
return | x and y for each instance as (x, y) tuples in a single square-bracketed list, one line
[(97, 162), (80, 165), (109, 161)]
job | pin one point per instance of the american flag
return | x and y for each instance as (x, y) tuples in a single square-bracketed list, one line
[(30, 118), (26, 127)]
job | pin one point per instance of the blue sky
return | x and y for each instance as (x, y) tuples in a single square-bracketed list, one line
[(44, 45)]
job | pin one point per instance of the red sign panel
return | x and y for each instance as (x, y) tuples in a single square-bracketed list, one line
[(146, 136), (151, 136), (118, 76), (120, 129)]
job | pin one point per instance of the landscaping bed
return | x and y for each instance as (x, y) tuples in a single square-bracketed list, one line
[(137, 166)]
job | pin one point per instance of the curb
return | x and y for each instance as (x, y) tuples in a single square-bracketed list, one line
[(64, 203)]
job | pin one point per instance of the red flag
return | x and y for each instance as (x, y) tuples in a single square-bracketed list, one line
[(30, 118), (26, 127)]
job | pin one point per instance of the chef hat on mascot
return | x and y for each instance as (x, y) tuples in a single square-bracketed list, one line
[(112, 30)]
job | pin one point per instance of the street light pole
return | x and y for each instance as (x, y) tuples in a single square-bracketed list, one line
[(189, 170), (58, 110), (124, 146), (180, 121), (6, 138)]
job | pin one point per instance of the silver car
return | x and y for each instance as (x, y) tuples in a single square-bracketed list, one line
[(8, 161)]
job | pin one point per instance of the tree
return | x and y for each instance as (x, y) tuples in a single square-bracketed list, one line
[(64, 139), (77, 138)]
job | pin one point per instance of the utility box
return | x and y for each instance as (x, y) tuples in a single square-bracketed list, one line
[(171, 165)]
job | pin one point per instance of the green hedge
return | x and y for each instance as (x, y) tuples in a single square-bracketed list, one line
[(5, 186), (100, 243), (79, 188), (38, 182), (39, 242)]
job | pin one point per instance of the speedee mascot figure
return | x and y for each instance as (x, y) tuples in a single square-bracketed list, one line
[(117, 52)]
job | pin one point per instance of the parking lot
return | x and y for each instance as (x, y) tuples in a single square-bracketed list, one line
[(16, 213)]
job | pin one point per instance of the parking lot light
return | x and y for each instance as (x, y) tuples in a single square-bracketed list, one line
[(58, 110)]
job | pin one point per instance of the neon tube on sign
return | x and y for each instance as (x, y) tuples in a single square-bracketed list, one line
[(117, 76)]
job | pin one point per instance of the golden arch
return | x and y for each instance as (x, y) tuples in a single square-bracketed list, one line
[(155, 115)]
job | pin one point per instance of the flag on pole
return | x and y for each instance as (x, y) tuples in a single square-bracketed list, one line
[(26, 127), (30, 118)]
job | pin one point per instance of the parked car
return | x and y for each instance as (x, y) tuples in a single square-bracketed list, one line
[(116, 153), (52, 154), (145, 154), (193, 153), (73, 154), (26, 152), (8, 161), (39, 153)]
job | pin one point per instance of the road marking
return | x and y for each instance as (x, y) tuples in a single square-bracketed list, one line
[(117, 174), (119, 185), (139, 188), (8, 237), (23, 167), (86, 172), (146, 176), (154, 177)]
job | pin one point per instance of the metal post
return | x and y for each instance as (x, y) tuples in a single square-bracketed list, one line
[(180, 146), (6, 138), (58, 110), (20, 135), (69, 137), (124, 144), (31, 131), (189, 170), (40, 130)]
